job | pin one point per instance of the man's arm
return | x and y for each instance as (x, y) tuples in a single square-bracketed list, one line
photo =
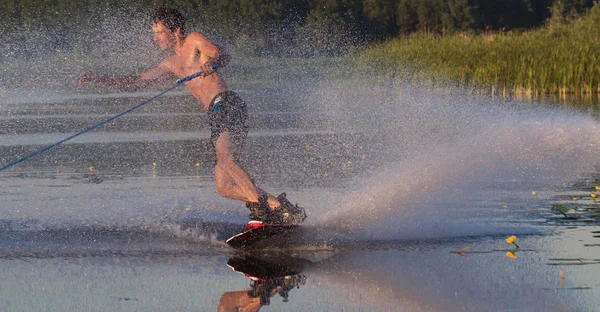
[(221, 59), (127, 83), (211, 55)]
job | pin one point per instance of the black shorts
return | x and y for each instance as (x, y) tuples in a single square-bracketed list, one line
[(227, 112)]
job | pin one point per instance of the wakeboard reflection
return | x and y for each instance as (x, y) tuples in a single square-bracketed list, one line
[(270, 275)]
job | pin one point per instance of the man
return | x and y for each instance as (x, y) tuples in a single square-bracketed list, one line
[(227, 112)]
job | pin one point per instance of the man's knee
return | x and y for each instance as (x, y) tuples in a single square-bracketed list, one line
[(224, 156), (223, 150), (225, 161)]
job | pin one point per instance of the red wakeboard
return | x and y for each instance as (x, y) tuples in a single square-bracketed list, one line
[(257, 233)]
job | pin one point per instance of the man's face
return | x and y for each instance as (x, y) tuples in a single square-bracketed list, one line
[(163, 36)]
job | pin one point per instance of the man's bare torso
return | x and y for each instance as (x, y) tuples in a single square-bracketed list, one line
[(188, 60)]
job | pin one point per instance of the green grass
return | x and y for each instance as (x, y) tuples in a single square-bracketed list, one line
[(557, 59)]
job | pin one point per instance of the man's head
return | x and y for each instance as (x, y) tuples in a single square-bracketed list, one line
[(166, 24), (171, 18)]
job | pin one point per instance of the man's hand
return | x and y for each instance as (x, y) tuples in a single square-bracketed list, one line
[(207, 69), (86, 77)]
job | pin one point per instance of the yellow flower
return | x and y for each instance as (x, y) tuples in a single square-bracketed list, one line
[(575, 198), (511, 239), (598, 188), (92, 168), (197, 164), (593, 195), (511, 254)]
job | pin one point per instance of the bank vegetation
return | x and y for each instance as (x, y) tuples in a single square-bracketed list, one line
[(561, 57)]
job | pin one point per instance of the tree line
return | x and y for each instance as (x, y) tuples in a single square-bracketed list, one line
[(285, 26)]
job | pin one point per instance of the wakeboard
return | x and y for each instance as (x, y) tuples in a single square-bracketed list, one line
[(267, 266), (253, 235), (270, 276)]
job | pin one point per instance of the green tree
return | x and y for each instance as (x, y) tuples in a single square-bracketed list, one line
[(460, 15), (323, 33), (380, 17), (407, 20)]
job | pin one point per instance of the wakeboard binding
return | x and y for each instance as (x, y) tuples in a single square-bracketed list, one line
[(267, 223), (286, 213)]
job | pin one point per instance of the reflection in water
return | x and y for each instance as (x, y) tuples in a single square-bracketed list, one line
[(270, 275)]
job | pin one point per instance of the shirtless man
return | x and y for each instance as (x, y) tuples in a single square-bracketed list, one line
[(227, 112)]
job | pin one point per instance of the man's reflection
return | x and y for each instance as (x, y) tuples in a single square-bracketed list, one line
[(238, 301), (269, 277)]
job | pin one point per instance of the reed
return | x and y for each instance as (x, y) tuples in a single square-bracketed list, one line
[(554, 59)]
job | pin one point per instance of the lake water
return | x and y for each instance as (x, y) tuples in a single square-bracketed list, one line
[(411, 194)]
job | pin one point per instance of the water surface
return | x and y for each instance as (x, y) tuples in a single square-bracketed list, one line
[(411, 194)]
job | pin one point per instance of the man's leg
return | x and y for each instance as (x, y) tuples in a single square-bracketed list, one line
[(226, 186), (232, 180)]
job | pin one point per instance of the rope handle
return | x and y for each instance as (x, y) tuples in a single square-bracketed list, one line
[(192, 76)]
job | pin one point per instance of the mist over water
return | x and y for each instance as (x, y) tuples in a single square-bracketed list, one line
[(396, 176), (441, 154), (395, 160), (108, 41)]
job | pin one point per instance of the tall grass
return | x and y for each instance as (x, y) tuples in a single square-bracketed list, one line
[(555, 59)]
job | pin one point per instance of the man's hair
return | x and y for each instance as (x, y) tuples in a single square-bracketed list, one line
[(171, 18)]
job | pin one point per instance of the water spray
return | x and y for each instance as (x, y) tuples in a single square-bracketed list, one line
[(178, 82)]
